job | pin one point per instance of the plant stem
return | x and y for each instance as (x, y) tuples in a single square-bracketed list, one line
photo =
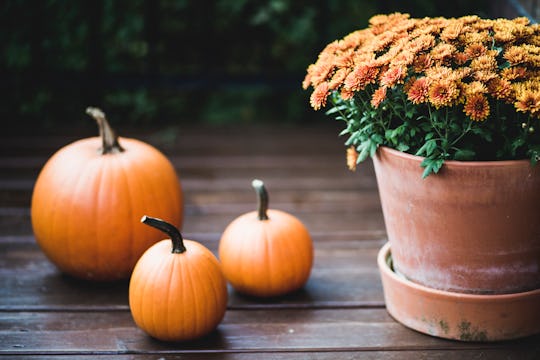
[(171, 230), (262, 198), (109, 139), (433, 124), (465, 132)]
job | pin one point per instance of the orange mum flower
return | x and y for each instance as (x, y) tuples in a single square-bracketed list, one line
[(443, 93), (378, 96), (514, 73), (500, 88), (475, 50), (422, 63), (422, 43), (361, 76), (475, 87), (475, 37), (356, 39), (352, 157), (452, 31), (404, 58), (484, 62), (319, 95), (443, 51), (461, 58), (321, 73), (307, 79), (346, 94), (381, 23), (337, 79), (503, 36), (516, 55), (393, 76), (439, 72), (485, 75), (407, 85), (476, 107), (418, 91), (345, 59), (528, 101), (382, 41)]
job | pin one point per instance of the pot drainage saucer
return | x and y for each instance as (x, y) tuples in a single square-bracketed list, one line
[(458, 316)]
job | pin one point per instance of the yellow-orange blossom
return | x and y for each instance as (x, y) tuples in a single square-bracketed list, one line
[(468, 61)]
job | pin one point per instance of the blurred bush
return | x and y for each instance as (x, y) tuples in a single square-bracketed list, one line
[(175, 62)]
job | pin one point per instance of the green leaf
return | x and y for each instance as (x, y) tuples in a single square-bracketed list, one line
[(431, 166), (517, 143), (373, 149), (368, 147), (335, 109), (363, 151), (428, 148), (409, 114), (464, 154), (534, 153), (402, 147), (483, 133), (377, 138)]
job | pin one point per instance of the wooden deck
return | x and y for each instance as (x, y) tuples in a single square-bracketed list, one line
[(340, 314)]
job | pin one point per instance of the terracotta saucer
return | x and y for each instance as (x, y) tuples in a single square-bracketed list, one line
[(458, 316)]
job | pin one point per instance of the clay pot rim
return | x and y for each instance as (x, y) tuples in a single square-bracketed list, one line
[(455, 163), (385, 253)]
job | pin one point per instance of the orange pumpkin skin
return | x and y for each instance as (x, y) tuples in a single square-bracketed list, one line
[(86, 206), (266, 258), (177, 297)]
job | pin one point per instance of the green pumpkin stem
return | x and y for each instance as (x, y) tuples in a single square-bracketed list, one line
[(262, 197), (108, 135), (169, 229)]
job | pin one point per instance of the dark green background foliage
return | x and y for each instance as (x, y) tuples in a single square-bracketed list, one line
[(176, 62)]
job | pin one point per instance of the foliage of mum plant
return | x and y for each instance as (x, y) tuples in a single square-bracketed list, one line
[(443, 88)]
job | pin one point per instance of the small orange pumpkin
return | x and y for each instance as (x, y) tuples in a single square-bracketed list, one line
[(178, 294), (266, 252), (89, 196)]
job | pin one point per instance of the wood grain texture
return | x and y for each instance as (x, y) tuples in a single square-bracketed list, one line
[(339, 314), (254, 330)]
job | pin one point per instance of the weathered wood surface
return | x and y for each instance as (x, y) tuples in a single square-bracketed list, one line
[(340, 313)]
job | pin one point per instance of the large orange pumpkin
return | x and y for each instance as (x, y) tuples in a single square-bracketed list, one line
[(88, 199), (178, 292), (266, 252)]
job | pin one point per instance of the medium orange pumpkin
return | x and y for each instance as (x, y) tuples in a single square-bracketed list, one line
[(266, 252), (89, 196), (177, 293)]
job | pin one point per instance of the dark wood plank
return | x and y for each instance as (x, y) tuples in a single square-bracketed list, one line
[(230, 173), (513, 353), (256, 330), (302, 194), (267, 139), (344, 275), (16, 223)]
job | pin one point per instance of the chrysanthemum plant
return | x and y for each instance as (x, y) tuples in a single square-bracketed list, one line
[(446, 89)]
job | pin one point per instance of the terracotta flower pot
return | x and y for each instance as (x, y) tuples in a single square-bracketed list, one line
[(473, 228)]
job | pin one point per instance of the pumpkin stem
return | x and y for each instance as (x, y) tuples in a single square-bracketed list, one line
[(169, 229), (107, 134), (262, 197)]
